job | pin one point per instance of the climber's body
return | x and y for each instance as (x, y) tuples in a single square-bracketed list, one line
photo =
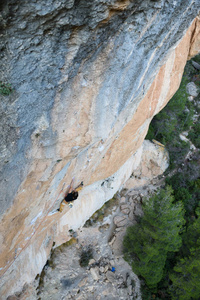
[(70, 196)]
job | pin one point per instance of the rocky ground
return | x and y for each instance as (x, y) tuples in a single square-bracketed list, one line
[(98, 244)]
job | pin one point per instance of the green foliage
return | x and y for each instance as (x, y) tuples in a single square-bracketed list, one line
[(192, 73), (186, 279), (186, 185), (178, 150), (147, 294), (175, 118), (194, 134), (86, 255), (185, 276), (191, 238), (158, 232), (166, 127), (5, 89)]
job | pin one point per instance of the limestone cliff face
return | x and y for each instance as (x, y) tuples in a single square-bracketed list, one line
[(88, 77)]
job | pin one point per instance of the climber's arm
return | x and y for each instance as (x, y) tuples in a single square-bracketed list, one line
[(79, 187), (69, 189)]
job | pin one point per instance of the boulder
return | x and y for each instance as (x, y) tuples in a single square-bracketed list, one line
[(155, 160), (125, 211), (102, 269), (120, 221), (95, 273), (122, 200), (128, 281), (192, 89), (91, 261), (196, 65), (110, 276), (130, 290), (112, 240), (124, 206)]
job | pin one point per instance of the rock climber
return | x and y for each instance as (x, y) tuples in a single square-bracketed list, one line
[(70, 196)]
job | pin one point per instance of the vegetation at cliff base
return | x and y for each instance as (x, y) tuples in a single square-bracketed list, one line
[(147, 244), (179, 115), (175, 118), (185, 275), (194, 135), (186, 185), (163, 248)]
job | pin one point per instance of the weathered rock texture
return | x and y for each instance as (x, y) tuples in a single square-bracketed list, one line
[(154, 161), (88, 76)]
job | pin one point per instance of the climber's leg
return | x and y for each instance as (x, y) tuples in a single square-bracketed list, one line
[(62, 205)]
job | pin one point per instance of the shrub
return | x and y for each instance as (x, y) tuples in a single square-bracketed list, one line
[(86, 255), (5, 89)]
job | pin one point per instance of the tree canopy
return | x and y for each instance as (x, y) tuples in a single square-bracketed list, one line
[(147, 243), (185, 276)]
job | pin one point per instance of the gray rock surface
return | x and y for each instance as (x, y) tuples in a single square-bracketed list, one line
[(196, 65), (40, 38), (110, 276), (120, 221), (95, 273), (192, 89), (80, 70)]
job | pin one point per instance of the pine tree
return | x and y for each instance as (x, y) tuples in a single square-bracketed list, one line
[(186, 276), (147, 243)]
